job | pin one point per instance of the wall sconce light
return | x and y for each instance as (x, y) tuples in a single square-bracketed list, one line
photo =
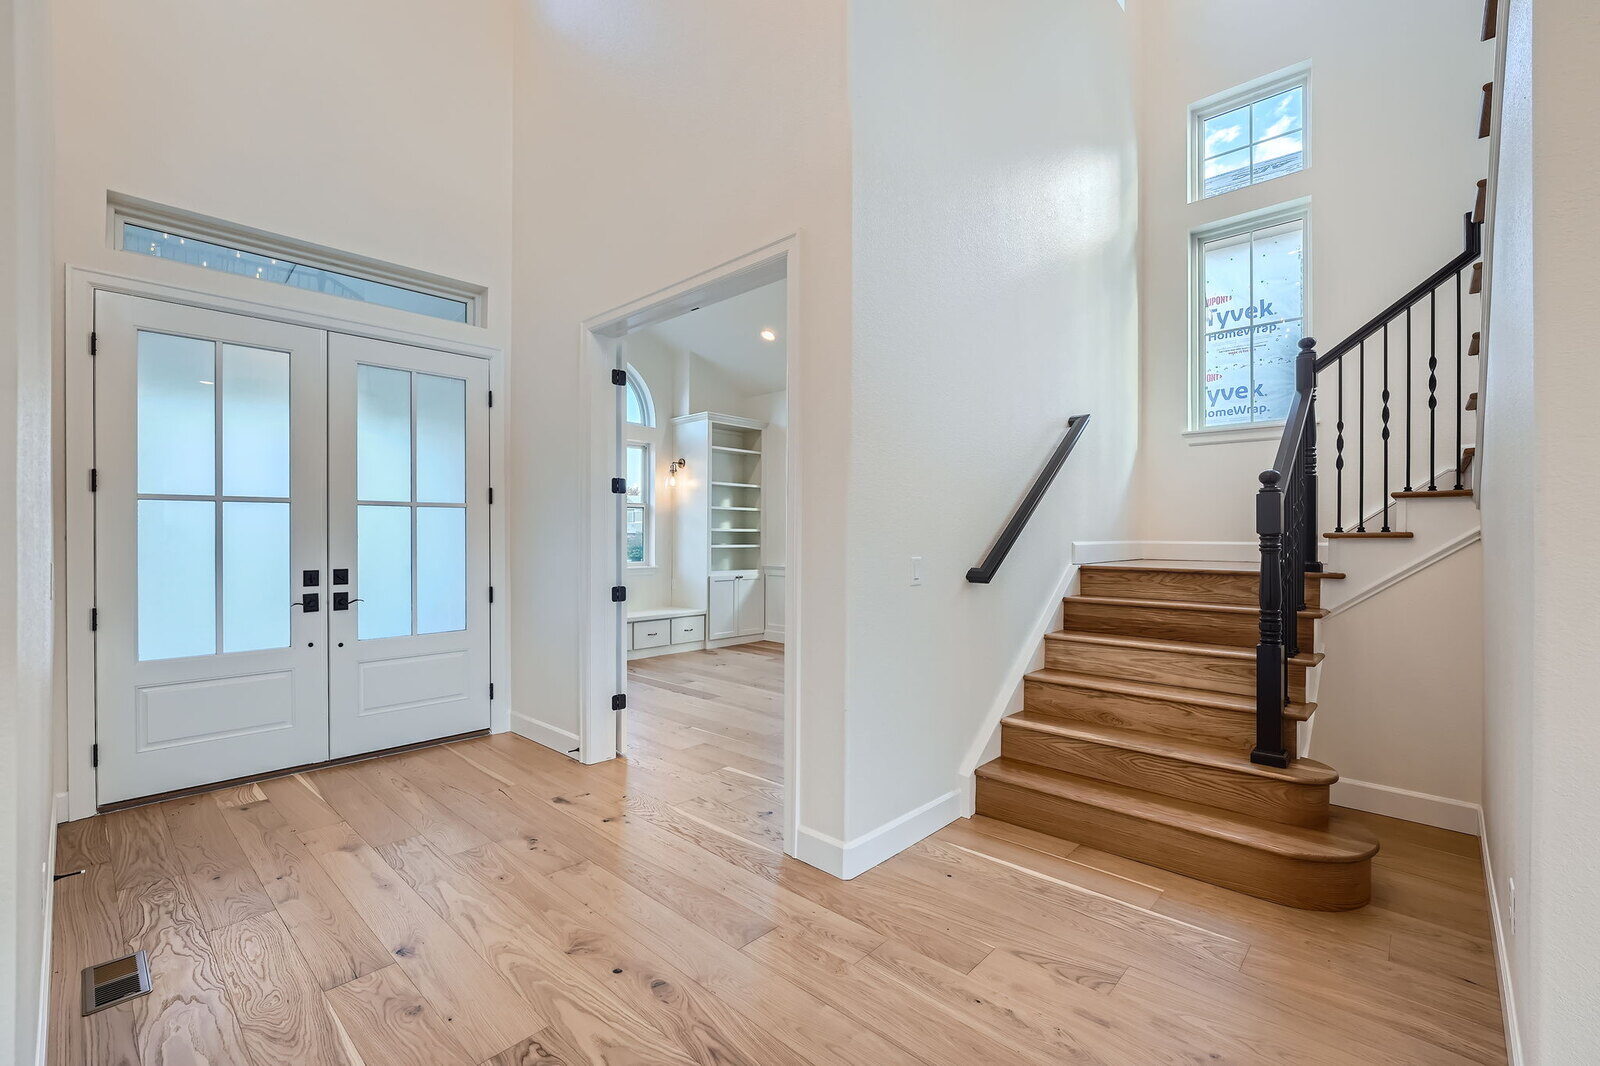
[(672, 470)]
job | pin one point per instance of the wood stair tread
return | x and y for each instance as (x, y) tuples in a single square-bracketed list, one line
[(1186, 605), (1423, 494), (1219, 651), (1243, 571), (1472, 402), (1298, 772), (1351, 535), (1467, 455), (1341, 843), (1299, 712)]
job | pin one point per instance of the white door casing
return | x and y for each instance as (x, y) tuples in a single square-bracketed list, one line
[(408, 451), (211, 472)]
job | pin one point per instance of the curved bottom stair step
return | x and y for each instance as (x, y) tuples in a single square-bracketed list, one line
[(1313, 869)]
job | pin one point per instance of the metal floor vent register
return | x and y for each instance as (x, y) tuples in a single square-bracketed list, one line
[(109, 983)]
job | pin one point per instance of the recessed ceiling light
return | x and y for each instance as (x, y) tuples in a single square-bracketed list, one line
[(768, 335)]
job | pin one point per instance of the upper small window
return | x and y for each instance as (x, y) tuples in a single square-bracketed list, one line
[(641, 410), (1249, 137)]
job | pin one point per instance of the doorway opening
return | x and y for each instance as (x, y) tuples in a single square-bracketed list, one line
[(699, 534)]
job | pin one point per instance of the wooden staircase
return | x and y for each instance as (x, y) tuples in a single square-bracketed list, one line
[(1135, 739)]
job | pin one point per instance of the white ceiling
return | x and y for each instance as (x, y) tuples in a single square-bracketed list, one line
[(728, 334)]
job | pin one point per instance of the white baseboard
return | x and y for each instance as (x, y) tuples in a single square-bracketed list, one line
[(774, 634), (846, 859), (1111, 551), (1502, 957), (1439, 811), (544, 733), (1399, 574), (46, 963)]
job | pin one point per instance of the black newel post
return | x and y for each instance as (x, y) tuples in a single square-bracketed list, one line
[(1270, 659)]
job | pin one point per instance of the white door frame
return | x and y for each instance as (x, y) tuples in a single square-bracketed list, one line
[(601, 634), (288, 306)]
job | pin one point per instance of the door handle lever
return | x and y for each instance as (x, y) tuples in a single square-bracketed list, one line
[(342, 601), (310, 603)]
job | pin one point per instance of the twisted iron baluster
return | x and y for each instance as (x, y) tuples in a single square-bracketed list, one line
[(1386, 434)]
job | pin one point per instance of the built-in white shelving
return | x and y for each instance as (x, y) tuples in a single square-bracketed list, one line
[(718, 542)]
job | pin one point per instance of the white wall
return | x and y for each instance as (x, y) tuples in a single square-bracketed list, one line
[(995, 213), (1394, 155), (1400, 698), (380, 127), (26, 814), (1541, 504), (741, 153)]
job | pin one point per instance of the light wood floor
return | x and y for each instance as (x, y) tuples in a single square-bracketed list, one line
[(493, 902)]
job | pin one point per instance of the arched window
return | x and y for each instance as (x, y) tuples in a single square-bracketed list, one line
[(641, 409)]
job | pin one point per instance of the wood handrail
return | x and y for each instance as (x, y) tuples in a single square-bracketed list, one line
[(984, 572)]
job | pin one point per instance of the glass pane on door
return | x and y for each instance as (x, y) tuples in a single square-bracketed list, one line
[(184, 517), (411, 548), (256, 587), (177, 412), (255, 421), (441, 569), (177, 578), (383, 555)]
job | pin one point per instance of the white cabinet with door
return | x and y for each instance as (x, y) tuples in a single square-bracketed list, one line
[(291, 546), (737, 605)]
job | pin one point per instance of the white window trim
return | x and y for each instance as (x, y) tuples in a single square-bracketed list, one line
[(1250, 92), (646, 400), (647, 494), (1197, 432), (122, 209)]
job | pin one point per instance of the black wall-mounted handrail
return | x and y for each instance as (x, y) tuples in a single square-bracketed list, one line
[(983, 573)]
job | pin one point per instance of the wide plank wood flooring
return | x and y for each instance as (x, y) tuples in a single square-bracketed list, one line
[(493, 902)]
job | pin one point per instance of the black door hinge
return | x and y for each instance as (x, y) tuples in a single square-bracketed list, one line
[(619, 701), (94, 479), (619, 485), (619, 593), (94, 344), (619, 377), (491, 593), (94, 755), (94, 619), (491, 397), (491, 690), (491, 496)]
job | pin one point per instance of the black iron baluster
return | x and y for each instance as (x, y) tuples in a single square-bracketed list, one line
[(1433, 390), (1384, 487), (1408, 417), (1338, 456), (1458, 379), (1361, 440)]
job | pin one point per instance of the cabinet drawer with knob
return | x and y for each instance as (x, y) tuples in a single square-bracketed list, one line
[(652, 634)]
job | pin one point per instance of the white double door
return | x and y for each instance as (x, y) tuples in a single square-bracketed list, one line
[(291, 546)]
